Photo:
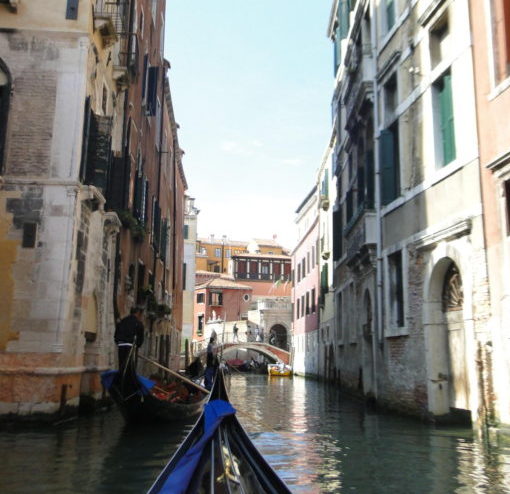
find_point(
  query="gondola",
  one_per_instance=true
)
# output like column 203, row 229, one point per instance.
column 138, row 403
column 217, row 456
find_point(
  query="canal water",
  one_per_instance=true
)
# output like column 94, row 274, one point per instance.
column 318, row 440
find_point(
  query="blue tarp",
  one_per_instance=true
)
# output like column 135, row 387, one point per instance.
column 108, row 377
column 178, row 481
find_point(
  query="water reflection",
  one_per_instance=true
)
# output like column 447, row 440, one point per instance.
column 320, row 441
column 92, row 455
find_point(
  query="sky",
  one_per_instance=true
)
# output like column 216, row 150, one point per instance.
column 251, row 84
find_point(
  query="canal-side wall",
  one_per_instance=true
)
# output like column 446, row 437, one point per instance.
column 56, row 242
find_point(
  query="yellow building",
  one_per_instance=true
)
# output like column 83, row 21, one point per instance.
column 214, row 254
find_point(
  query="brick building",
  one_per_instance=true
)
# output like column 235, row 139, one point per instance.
column 91, row 197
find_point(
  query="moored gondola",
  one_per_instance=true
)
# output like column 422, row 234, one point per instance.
column 139, row 401
column 218, row 456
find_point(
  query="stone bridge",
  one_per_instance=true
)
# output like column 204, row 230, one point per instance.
column 273, row 353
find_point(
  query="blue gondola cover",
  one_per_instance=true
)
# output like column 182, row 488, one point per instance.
column 108, row 377
column 178, row 481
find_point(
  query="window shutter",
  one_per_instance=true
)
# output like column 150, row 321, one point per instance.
column 387, row 150
column 390, row 14
column 144, row 80
column 157, row 227
column 144, row 205
column 343, row 20
column 447, row 121
column 164, row 238
column 152, row 87
column 349, row 201
column 337, row 234
column 324, row 279
column 98, row 152
column 361, row 185
column 115, row 197
column 369, row 179
column 138, row 200
column 85, row 142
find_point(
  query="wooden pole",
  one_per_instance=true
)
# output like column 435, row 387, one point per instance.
column 176, row 374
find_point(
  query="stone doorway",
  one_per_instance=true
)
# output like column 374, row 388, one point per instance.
column 444, row 325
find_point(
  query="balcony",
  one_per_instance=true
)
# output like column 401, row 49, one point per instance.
column 127, row 60
column 111, row 19
column 361, row 241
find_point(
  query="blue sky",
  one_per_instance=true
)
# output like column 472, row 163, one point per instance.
column 251, row 84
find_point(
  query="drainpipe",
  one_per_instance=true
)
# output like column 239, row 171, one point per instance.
column 378, row 335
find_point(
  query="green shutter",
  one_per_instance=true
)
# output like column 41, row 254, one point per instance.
column 387, row 152
column 447, row 121
column 390, row 14
column 343, row 18
column 369, row 179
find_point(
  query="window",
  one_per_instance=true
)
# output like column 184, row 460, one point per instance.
column 215, row 298
column 439, row 40
column 217, row 252
column 200, row 326
column 396, row 289
column 104, row 101
column 29, row 235
column 390, row 14
column 184, row 276
column 302, row 305
column 5, row 90
column 297, row 309
column 228, row 253
column 145, row 75
column 307, row 303
column 200, row 298
column 264, row 269
column 390, row 163
column 444, row 130
column 500, row 12
column 390, row 91
column 185, row 233
column 313, row 301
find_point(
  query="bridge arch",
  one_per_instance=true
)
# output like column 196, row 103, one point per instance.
column 271, row 352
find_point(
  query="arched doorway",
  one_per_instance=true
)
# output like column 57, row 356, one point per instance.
column 448, row 385
column 278, row 337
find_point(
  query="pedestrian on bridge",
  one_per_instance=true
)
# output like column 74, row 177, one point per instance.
column 235, row 329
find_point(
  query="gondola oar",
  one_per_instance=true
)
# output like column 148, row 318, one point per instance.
column 176, row 374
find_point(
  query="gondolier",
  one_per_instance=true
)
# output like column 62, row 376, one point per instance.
column 128, row 337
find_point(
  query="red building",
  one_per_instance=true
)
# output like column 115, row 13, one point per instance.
column 219, row 299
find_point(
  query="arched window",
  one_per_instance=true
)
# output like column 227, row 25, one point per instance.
column 5, row 92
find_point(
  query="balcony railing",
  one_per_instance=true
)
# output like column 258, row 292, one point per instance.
column 115, row 12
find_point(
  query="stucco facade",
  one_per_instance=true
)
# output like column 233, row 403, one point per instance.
column 490, row 31
column 306, row 289
column 56, row 240
column 411, row 285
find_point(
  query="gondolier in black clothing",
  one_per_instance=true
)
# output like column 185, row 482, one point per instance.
column 129, row 337
column 211, row 364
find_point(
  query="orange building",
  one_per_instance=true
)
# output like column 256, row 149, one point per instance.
column 213, row 254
